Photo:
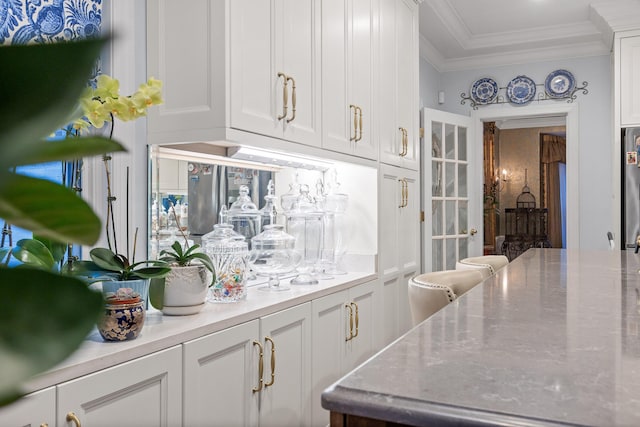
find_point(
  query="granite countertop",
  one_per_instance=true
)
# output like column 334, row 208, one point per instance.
column 162, row 331
column 552, row 339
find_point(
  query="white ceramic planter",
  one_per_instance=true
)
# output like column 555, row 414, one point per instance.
column 185, row 290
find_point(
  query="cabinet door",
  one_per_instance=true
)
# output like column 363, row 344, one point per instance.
column 184, row 46
column 285, row 399
column 363, row 299
column 36, row 409
column 220, row 371
column 299, row 55
column 253, row 71
column 630, row 81
column 143, row 392
column 398, row 83
column 390, row 200
column 347, row 80
column 407, row 79
column 330, row 330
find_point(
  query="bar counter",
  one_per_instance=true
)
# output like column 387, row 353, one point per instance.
column 551, row 339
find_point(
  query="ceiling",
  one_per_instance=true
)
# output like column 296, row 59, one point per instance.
column 468, row 34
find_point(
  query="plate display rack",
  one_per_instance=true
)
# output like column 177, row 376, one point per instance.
column 540, row 95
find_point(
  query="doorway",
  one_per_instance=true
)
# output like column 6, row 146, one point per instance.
column 524, row 189
column 570, row 113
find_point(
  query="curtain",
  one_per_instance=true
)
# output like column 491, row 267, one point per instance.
column 552, row 153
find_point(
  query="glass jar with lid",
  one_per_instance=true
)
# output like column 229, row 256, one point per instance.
column 229, row 253
column 273, row 254
column 244, row 216
column 304, row 222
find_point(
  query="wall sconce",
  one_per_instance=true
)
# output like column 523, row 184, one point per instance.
column 496, row 186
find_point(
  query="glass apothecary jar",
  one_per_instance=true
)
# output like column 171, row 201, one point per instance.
column 229, row 253
column 244, row 216
column 273, row 254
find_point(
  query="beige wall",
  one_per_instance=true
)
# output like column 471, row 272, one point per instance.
column 519, row 149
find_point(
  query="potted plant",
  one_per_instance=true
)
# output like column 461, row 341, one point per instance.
column 123, row 316
column 115, row 271
column 46, row 315
column 184, row 289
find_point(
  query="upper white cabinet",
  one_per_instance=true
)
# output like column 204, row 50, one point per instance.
column 630, row 81
column 347, row 77
column 397, row 84
column 248, row 65
column 143, row 392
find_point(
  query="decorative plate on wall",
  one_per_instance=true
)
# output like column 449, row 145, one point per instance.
column 484, row 91
column 521, row 90
column 559, row 84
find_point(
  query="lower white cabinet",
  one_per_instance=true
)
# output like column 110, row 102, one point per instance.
column 344, row 335
column 256, row 373
column 36, row 409
column 399, row 246
column 143, row 392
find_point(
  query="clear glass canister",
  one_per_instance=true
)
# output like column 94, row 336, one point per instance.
column 244, row 216
column 229, row 253
column 273, row 254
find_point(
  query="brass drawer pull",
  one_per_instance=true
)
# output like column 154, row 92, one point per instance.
column 273, row 361
column 71, row 418
column 260, row 367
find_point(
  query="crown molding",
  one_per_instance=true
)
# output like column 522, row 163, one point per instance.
column 619, row 15
column 514, row 57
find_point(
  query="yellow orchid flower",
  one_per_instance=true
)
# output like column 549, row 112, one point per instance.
column 118, row 107
column 95, row 112
column 106, row 87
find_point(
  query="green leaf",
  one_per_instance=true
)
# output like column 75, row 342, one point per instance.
column 35, row 333
column 34, row 102
column 57, row 249
column 150, row 272
column 71, row 149
column 156, row 292
column 49, row 210
column 35, row 253
column 106, row 259
column 204, row 259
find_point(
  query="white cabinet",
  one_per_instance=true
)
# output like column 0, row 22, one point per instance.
column 36, row 409
column 244, row 64
column 222, row 379
column 172, row 176
column 142, row 392
column 398, row 83
column 344, row 335
column 347, row 79
column 399, row 255
column 630, row 81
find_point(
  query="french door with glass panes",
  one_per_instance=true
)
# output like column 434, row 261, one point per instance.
column 449, row 229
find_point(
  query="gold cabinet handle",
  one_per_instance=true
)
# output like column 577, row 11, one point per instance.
column 71, row 418
column 293, row 99
column 405, row 140
column 355, row 122
column 404, row 192
column 350, row 322
column 359, row 112
column 473, row 232
column 357, row 317
column 285, row 95
column 260, row 367
column 273, row 361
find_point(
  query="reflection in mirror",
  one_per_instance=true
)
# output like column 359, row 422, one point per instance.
column 199, row 185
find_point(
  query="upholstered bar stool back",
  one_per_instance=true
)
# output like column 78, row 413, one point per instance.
column 487, row 265
column 429, row 292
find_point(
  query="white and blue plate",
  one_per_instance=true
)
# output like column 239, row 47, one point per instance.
column 521, row 90
column 559, row 84
column 484, row 91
